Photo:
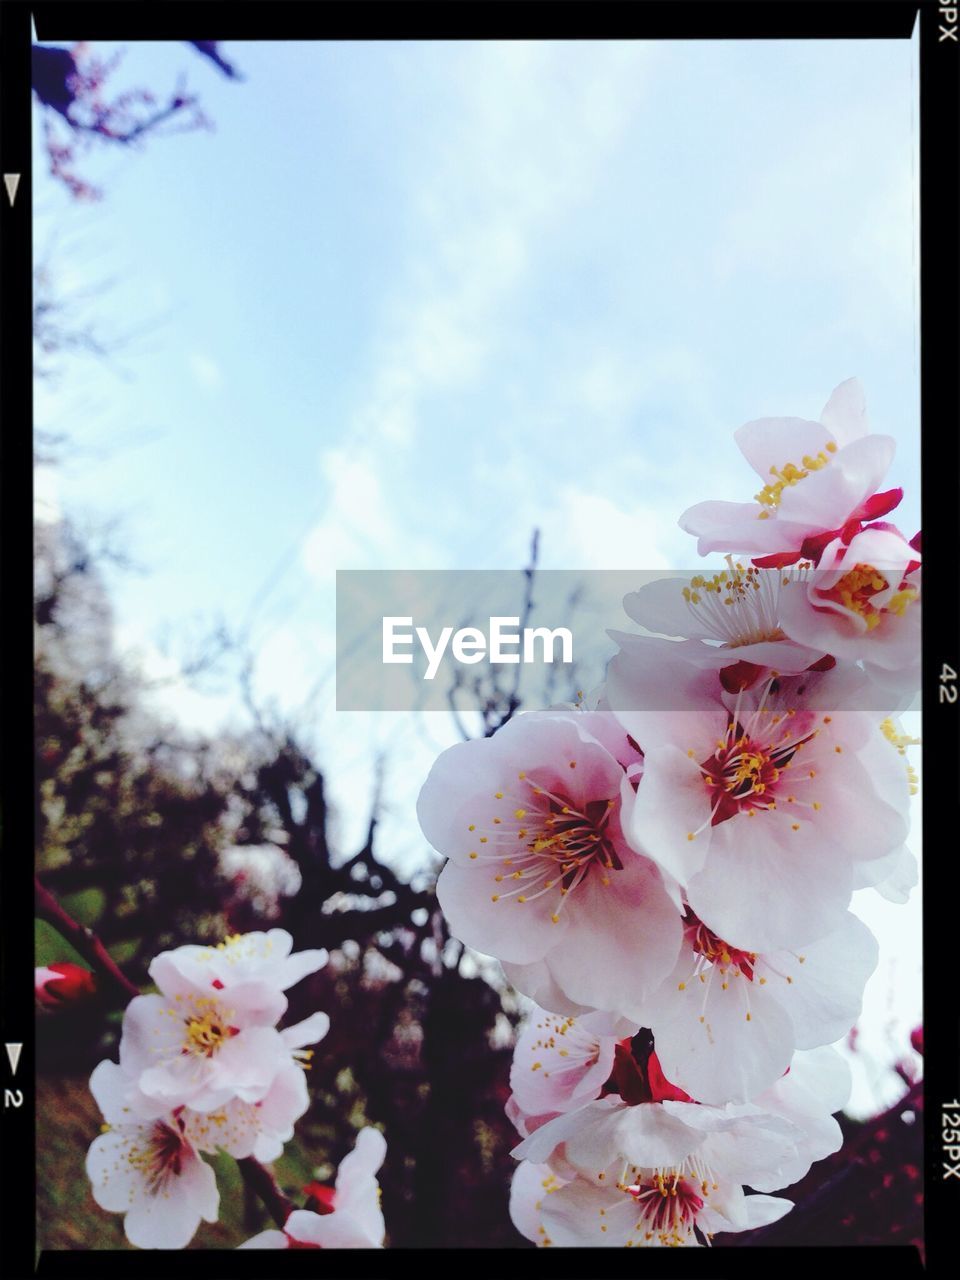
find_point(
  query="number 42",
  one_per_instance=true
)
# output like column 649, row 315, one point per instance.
column 948, row 684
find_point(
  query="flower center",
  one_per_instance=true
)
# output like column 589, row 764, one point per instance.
column 856, row 589
column 787, row 476
column 544, row 841
column 205, row 1029
column 668, row 1205
column 160, row 1158
column 739, row 605
column 745, row 772
column 714, row 950
column 742, row 773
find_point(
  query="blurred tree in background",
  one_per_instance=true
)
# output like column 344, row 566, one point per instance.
column 154, row 839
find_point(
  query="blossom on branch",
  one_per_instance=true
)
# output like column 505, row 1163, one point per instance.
column 727, row 1022
column 863, row 603
column 819, row 478
column 539, row 872
column 149, row 1169
column 761, row 804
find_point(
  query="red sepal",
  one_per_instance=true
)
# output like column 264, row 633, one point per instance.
column 739, row 676
column 779, row 559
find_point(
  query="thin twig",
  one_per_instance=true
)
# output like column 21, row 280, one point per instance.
column 261, row 1181
column 82, row 939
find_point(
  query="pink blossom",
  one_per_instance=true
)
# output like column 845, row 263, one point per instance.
column 655, row 1212
column 539, row 873
column 655, row 1174
column 817, row 478
column 199, row 1052
column 761, row 804
column 558, row 1064
column 148, row 1169
column 862, row 602
column 249, row 970
column 209, row 1036
column 727, row 1022
column 352, row 1218
column 262, row 1128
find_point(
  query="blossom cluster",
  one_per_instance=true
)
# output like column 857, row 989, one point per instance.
column 666, row 869
column 203, row 1069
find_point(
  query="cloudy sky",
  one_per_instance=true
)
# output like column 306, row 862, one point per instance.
column 410, row 301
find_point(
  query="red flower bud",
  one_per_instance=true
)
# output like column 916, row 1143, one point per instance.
column 59, row 984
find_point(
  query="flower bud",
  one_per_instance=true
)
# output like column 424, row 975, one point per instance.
column 59, row 984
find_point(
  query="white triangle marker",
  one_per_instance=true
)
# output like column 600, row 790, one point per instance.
column 13, row 1053
column 11, row 181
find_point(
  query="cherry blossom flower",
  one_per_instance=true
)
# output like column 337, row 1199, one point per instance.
column 209, row 1037
column 731, row 620
column 198, row 1052
column 350, row 1217
column 559, row 1063
column 539, row 873
column 728, row 624
column 818, row 478
column 262, row 1129
column 656, row 1211
column 862, row 602
column 659, row 1173
column 761, row 804
column 61, row 983
column 727, row 1021
column 148, row 1169
column 252, row 970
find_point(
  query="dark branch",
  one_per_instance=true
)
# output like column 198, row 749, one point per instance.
column 262, row 1182
column 83, row 940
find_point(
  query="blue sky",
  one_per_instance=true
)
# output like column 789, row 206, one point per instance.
column 409, row 301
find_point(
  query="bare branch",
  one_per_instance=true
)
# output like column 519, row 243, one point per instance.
column 262, row 1182
column 83, row 940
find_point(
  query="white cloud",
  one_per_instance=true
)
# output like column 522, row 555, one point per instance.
column 206, row 371
column 586, row 530
column 46, row 495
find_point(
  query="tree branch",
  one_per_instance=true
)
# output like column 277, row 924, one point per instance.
column 83, row 940
column 262, row 1182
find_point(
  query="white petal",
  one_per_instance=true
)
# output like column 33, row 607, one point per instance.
column 766, row 886
column 526, row 1189
column 623, row 938
column 310, row 1031
column 113, row 1181
column 266, row 1240
column 773, row 442
column 514, row 932
column 725, row 1057
column 826, row 995
column 845, row 413
column 670, row 819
